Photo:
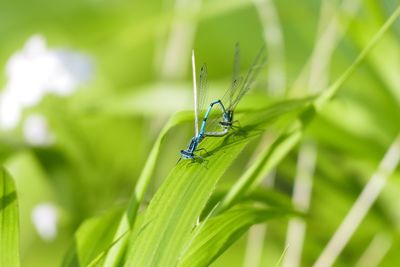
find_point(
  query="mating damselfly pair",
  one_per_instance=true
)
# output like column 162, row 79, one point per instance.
column 219, row 126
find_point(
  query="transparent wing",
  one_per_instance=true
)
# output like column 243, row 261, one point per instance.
column 229, row 94
column 202, row 92
column 249, row 79
column 235, row 74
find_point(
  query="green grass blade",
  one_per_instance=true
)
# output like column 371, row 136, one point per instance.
column 127, row 221
column 98, row 259
column 150, row 165
column 9, row 222
column 331, row 90
column 178, row 203
column 174, row 210
column 220, row 232
column 264, row 164
column 92, row 238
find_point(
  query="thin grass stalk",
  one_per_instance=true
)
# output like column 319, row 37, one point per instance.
column 361, row 206
column 273, row 37
column 179, row 42
column 301, row 200
column 376, row 251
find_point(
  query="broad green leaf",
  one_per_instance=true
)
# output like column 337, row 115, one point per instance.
column 9, row 221
column 174, row 209
column 93, row 238
column 220, row 232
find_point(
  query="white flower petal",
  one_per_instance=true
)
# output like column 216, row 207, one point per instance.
column 36, row 131
column 36, row 71
column 45, row 220
column 10, row 111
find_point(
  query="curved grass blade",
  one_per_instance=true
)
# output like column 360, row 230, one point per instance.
column 269, row 158
column 92, row 238
column 9, row 221
column 174, row 210
column 220, row 232
column 98, row 259
column 148, row 170
column 330, row 92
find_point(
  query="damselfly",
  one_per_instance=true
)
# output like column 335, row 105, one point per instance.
column 199, row 97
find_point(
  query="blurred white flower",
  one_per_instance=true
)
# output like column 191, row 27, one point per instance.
column 45, row 220
column 10, row 110
column 37, row 70
column 36, row 131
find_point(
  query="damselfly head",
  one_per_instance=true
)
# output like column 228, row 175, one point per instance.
column 186, row 154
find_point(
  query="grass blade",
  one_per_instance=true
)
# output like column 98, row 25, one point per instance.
column 265, row 163
column 219, row 233
column 92, row 238
column 9, row 222
column 129, row 217
column 331, row 90
column 151, row 162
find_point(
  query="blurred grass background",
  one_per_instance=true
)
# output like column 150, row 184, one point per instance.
column 140, row 52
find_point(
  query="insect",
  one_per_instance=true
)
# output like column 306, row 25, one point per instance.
column 199, row 96
column 232, row 96
column 237, row 90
